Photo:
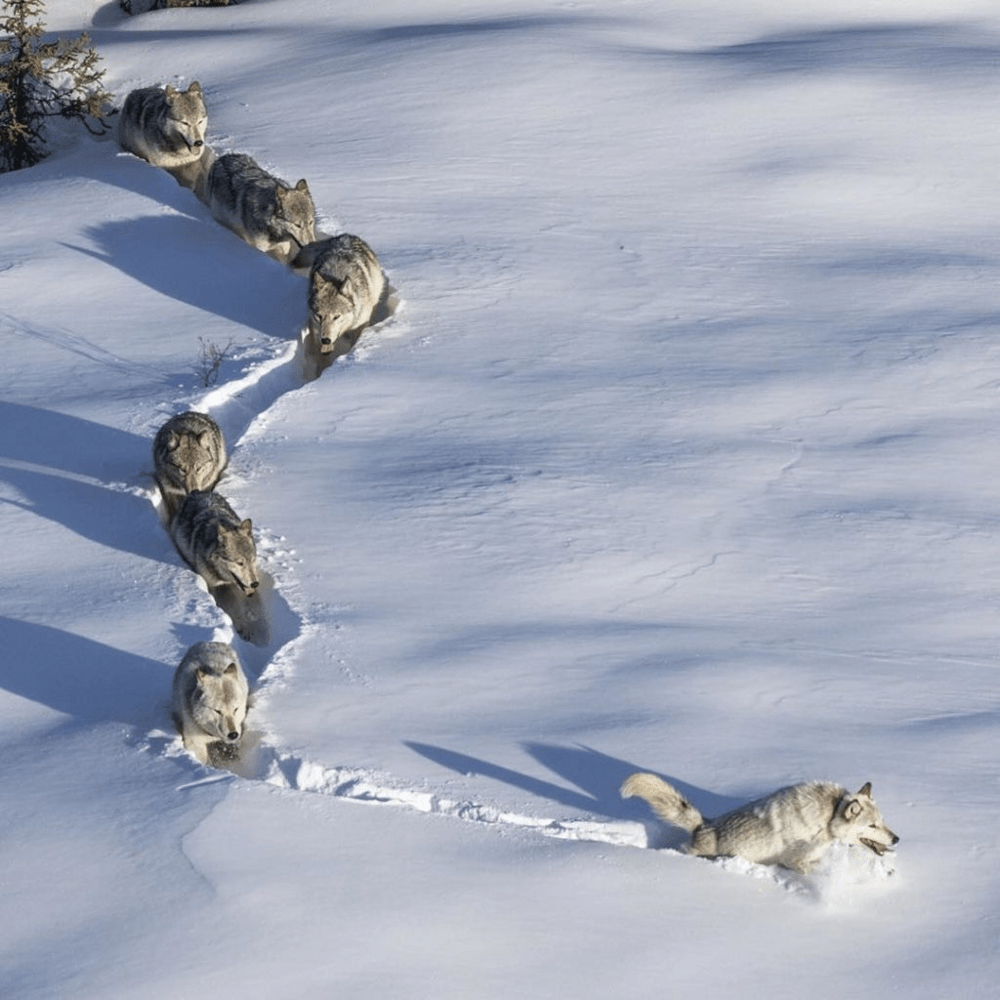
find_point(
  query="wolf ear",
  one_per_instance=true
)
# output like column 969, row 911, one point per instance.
column 231, row 670
column 247, row 526
column 195, row 88
column 866, row 789
column 169, row 91
column 302, row 186
column 853, row 809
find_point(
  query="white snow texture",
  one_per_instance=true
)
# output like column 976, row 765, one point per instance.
column 679, row 455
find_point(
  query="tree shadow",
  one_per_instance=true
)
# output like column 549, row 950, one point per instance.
column 109, row 517
column 597, row 777
column 73, row 444
column 56, row 466
column 168, row 254
column 86, row 680
column 940, row 51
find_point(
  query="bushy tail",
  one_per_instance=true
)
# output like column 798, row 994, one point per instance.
column 664, row 800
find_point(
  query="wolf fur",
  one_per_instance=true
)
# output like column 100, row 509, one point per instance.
column 345, row 285
column 261, row 208
column 215, row 543
column 163, row 125
column 210, row 700
column 142, row 6
column 189, row 453
column 792, row 827
column 194, row 175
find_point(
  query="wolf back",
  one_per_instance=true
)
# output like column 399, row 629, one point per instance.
column 189, row 453
column 345, row 285
column 215, row 543
column 163, row 125
column 792, row 827
column 210, row 699
column 261, row 208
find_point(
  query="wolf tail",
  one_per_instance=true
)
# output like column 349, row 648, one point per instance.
column 664, row 800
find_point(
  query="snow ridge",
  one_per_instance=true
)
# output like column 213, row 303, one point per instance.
column 290, row 771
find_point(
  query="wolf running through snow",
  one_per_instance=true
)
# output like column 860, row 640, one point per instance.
column 215, row 543
column 792, row 827
column 210, row 701
column 259, row 207
column 163, row 125
column 189, row 453
column 345, row 286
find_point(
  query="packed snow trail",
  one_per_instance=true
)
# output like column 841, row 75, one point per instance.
column 237, row 406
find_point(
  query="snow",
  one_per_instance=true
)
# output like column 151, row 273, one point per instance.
column 678, row 455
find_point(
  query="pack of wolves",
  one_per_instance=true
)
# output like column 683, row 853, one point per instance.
column 792, row 827
column 166, row 127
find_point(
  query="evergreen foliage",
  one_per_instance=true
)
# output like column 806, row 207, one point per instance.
column 43, row 79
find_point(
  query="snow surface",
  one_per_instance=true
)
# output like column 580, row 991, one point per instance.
column 679, row 455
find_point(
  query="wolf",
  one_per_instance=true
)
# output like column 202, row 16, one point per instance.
column 215, row 543
column 142, row 6
column 345, row 285
column 261, row 208
column 792, row 827
column 211, row 698
column 163, row 125
column 189, row 453
column 194, row 175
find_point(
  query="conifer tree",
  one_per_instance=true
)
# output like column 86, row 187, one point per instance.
column 41, row 80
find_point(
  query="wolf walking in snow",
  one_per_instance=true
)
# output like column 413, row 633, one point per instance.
column 210, row 700
column 792, row 827
column 163, row 125
column 215, row 543
column 259, row 207
column 345, row 286
column 194, row 175
column 142, row 6
column 189, row 453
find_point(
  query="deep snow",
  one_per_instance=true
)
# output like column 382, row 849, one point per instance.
column 678, row 456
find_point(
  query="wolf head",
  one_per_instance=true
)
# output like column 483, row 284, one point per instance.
column 295, row 215
column 219, row 703
column 192, row 460
column 858, row 821
column 187, row 116
column 331, row 310
column 236, row 555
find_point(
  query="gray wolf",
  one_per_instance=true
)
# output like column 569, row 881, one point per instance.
column 189, row 453
column 259, row 207
column 792, row 827
column 194, row 175
column 215, row 543
column 163, row 125
column 142, row 6
column 345, row 285
column 210, row 700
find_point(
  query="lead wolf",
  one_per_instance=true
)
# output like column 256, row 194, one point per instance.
column 210, row 701
column 163, row 125
column 345, row 286
column 215, row 543
column 259, row 207
column 792, row 827
column 142, row 6
column 189, row 453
